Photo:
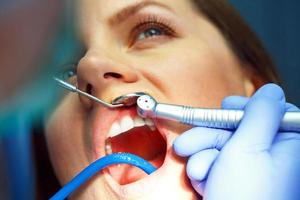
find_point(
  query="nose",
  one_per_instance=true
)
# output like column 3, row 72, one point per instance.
column 99, row 75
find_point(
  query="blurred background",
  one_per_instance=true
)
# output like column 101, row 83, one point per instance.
column 36, row 36
column 277, row 24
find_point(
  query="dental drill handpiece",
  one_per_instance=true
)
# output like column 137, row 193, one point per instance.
column 213, row 118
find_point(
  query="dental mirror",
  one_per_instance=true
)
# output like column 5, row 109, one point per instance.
column 123, row 100
column 128, row 99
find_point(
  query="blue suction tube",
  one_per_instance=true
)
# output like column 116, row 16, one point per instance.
column 112, row 159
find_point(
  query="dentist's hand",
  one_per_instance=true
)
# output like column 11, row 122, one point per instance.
column 254, row 162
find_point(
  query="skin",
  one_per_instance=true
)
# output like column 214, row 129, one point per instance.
column 196, row 63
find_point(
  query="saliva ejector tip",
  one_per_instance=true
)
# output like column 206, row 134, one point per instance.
column 146, row 106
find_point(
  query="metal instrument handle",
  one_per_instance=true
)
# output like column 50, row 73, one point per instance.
column 217, row 118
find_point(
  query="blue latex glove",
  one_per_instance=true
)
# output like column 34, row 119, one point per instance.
column 254, row 162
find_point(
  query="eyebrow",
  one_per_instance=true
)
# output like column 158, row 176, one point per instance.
column 128, row 11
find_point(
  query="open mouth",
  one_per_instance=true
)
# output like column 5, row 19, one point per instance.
column 136, row 136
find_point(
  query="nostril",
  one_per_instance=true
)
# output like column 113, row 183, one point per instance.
column 112, row 75
column 89, row 89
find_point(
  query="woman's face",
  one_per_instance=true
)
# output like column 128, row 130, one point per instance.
column 164, row 48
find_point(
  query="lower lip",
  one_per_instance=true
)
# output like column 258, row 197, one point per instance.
column 141, row 187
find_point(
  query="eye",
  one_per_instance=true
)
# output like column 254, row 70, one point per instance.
column 68, row 73
column 151, row 32
column 150, row 28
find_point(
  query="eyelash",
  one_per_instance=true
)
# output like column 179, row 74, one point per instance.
column 151, row 21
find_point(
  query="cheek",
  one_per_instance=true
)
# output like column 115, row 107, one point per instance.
column 199, row 76
column 65, row 140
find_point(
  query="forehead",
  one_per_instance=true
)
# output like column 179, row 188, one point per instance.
column 105, row 9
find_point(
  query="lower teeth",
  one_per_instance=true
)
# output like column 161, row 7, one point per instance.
column 108, row 148
column 152, row 128
column 108, row 145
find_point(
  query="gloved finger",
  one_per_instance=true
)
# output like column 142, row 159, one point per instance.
column 239, row 102
column 291, row 107
column 199, row 164
column 291, row 139
column 200, row 138
column 235, row 102
column 199, row 186
column 262, row 117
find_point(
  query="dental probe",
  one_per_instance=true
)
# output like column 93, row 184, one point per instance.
column 123, row 100
column 213, row 118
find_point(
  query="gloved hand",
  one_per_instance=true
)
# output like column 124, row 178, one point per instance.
column 254, row 161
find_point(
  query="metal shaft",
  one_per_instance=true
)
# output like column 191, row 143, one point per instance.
column 214, row 118
column 121, row 101
column 217, row 118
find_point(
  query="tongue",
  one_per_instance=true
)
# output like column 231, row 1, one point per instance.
column 142, row 142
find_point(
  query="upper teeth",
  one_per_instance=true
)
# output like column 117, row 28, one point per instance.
column 127, row 123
